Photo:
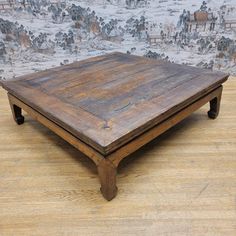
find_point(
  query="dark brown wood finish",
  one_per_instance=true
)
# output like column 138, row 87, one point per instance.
column 214, row 107
column 108, row 100
column 109, row 106
column 107, row 166
column 107, row 175
column 17, row 114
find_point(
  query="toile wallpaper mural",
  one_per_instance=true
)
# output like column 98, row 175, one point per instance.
column 40, row 34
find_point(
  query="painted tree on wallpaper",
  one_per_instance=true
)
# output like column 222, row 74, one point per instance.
column 35, row 35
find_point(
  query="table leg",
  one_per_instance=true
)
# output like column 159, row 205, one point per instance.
column 215, row 105
column 107, row 175
column 16, row 113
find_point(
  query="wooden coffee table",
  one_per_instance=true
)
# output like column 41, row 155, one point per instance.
column 109, row 106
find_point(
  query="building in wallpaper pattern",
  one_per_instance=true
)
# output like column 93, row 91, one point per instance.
column 201, row 21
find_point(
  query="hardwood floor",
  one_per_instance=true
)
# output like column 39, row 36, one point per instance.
column 182, row 183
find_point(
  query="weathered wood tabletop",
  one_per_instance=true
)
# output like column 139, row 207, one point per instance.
column 108, row 100
column 109, row 106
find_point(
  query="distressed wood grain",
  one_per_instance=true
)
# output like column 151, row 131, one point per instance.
column 110, row 106
column 108, row 100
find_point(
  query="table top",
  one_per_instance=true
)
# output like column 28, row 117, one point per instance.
column 108, row 100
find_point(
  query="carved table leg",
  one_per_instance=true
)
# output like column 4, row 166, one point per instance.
column 215, row 106
column 17, row 113
column 107, row 175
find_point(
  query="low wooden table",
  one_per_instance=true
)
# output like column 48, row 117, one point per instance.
column 109, row 106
